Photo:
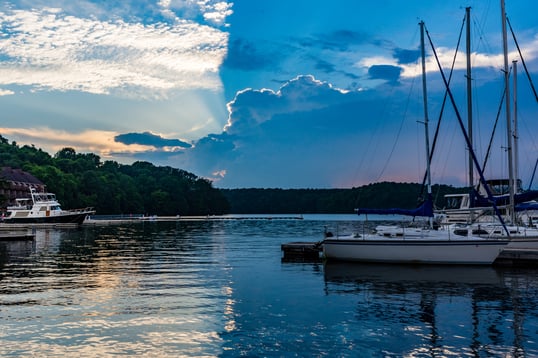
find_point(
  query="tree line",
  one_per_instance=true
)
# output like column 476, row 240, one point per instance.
column 335, row 201
column 83, row 180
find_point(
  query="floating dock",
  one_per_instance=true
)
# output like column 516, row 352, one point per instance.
column 312, row 252
column 517, row 257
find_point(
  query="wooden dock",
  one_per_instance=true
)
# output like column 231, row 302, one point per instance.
column 301, row 252
column 13, row 236
column 312, row 252
column 517, row 257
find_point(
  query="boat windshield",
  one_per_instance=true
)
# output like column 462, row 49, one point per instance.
column 453, row 202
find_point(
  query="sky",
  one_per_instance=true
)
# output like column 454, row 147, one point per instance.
column 268, row 93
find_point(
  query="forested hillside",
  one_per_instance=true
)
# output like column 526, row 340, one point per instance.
column 305, row 201
column 81, row 180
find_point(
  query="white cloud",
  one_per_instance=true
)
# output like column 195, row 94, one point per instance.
column 250, row 108
column 47, row 49
column 98, row 142
column 4, row 92
column 306, row 134
column 214, row 12
column 446, row 57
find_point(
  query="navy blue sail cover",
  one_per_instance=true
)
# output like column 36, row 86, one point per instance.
column 425, row 209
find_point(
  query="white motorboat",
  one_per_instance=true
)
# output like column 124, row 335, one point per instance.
column 43, row 208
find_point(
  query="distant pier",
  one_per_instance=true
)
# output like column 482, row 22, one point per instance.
column 96, row 220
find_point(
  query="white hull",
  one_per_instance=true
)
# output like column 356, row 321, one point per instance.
column 43, row 208
column 433, row 250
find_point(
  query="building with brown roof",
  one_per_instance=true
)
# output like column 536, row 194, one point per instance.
column 16, row 183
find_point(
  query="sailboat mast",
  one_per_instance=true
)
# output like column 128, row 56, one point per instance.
column 516, row 134
column 469, row 94
column 508, row 120
column 426, row 120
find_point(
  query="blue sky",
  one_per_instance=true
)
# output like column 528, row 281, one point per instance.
column 290, row 94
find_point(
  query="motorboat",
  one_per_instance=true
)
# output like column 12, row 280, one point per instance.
column 43, row 208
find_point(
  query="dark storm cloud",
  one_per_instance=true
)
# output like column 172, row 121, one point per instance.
column 147, row 138
column 385, row 72
column 405, row 57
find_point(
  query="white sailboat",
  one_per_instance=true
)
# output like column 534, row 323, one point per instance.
column 418, row 245
column 507, row 193
column 518, row 206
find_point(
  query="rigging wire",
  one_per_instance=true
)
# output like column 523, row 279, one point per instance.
column 488, row 151
column 436, row 135
column 372, row 138
column 522, row 60
column 464, row 132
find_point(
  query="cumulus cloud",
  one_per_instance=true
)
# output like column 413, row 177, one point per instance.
column 250, row 108
column 49, row 49
column 306, row 134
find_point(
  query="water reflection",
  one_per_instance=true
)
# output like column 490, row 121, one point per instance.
column 220, row 289
column 15, row 250
column 450, row 310
column 136, row 290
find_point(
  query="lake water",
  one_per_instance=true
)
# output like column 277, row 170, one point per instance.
column 220, row 289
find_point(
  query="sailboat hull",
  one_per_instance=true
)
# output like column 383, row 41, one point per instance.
column 461, row 252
